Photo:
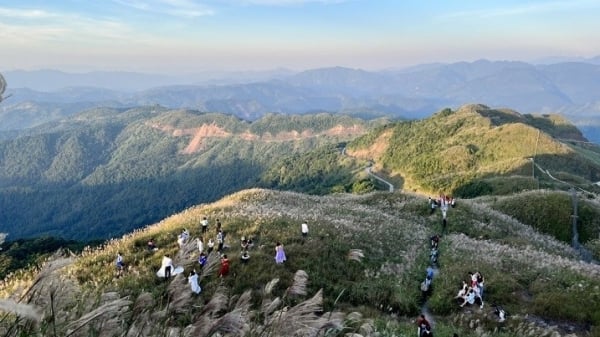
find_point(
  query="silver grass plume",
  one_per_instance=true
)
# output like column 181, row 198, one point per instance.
column 269, row 306
column 217, row 303
column 244, row 301
column 302, row 320
column 356, row 255
column 298, row 287
column 234, row 323
column 269, row 287
column 110, row 307
column 23, row 310
column 213, row 262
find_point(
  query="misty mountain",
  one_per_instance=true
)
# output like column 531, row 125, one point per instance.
column 569, row 88
column 54, row 80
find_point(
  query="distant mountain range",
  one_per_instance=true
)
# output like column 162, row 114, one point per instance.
column 571, row 89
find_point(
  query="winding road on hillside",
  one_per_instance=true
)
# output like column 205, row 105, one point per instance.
column 370, row 172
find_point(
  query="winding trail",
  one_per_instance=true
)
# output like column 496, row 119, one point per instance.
column 369, row 172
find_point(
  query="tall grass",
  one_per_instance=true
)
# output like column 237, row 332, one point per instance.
column 357, row 272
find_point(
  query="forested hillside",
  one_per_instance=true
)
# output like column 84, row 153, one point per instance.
column 477, row 150
column 105, row 172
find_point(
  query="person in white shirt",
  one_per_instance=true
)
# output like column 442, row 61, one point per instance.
column 210, row 245
column 200, row 244
column 304, row 229
column 183, row 237
column 120, row 264
column 193, row 281
column 204, row 224
column 167, row 266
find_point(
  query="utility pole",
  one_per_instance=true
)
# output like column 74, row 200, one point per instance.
column 575, row 241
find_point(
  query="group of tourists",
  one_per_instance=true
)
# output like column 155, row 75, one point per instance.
column 471, row 291
column 168, row 269
column 443, row 202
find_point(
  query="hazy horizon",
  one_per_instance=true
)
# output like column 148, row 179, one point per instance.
column 182, row 36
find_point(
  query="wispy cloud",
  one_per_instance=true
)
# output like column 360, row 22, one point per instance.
column 284, row 2
column 524, row 9
column 29, row 26
column 24, row 13
column 178, row 8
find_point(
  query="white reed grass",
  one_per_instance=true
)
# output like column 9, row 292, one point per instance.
column 28, row 311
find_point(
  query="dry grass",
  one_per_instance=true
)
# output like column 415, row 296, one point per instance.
column 378, row 242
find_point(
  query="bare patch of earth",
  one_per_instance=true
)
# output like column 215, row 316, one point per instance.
column 205, row 131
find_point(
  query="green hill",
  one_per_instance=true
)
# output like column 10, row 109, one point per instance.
column 357, row 273
column 105, row 172
column 477, row 150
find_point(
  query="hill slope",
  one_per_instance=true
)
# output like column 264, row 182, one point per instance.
column 363, row 261
column 105, row 172
column 456, row 151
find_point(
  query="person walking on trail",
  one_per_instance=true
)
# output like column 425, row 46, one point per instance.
column 167, row 266
column 120, row 264
column 423, row 326
column 193, row 281
column 279, row 253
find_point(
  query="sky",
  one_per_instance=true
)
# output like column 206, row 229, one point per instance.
column 181, row 36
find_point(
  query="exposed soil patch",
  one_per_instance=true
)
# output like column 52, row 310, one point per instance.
column 374, row 151
column 205, row 131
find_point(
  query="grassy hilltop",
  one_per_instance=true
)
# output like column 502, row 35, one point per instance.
column 358, row 272
column 478, row 150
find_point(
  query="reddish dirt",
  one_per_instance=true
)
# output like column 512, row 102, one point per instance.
column 205, row 131
column 374, row 151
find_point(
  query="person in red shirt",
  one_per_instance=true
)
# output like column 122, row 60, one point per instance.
column 224, row 270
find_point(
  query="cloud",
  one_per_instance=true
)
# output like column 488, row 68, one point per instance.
column 524, row 9
column 177, row 8
column 27, row 27
column 13, row 13
column 284, row 2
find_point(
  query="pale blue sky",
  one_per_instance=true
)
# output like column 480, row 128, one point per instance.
column 195, row 35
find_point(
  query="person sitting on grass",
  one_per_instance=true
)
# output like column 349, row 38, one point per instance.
column 472, row 297
column 499, row 311
column 464, row 290
column 245, row 257
column 151, row 245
